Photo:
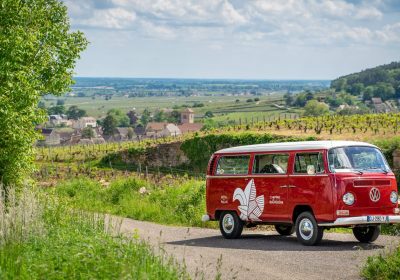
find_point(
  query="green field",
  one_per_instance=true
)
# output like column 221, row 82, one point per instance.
column 221, row 105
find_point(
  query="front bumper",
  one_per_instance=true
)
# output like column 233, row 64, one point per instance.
column 361, row 220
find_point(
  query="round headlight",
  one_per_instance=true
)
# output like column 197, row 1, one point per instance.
column 393, row 197
column 348, row 198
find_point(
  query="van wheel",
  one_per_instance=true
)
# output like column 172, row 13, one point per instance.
column 367, row 234
column 307, row 230
column 284, row 229
column 231, row 225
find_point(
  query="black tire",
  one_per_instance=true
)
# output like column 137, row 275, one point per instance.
column 285, row 229
column 230, row 225
column 307, row 230
column 367, row 234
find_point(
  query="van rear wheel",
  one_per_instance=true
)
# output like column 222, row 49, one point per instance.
column 231, row 225
column 307, row 230
column 284, row 229
column 367, row 234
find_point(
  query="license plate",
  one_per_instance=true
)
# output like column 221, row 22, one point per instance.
column 378, row 219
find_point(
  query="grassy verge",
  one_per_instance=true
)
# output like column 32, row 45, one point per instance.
column 54, row 242
column 383, row 267
column 171, row 201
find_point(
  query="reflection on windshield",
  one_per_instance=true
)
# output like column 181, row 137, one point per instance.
column 357, row 158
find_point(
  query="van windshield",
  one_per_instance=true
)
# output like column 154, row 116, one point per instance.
column 357, row 158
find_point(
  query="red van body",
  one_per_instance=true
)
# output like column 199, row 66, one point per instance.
column 298, row 179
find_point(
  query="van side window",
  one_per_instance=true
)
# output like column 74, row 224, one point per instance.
column 270, row 164
column 304, row 159
column 233, row 165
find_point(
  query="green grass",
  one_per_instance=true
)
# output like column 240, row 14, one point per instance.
column 75, row 245
column 216, row 103
column 176, row 202
column 383, row 267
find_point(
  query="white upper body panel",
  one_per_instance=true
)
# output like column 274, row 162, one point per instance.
column 293, row 146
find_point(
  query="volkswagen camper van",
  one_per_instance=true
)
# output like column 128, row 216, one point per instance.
column 302, row 187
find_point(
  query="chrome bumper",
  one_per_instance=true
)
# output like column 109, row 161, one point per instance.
column 361, row 220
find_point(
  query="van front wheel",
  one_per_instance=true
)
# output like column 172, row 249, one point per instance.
column 307, row 230
column 231, row 225
column 367, row 234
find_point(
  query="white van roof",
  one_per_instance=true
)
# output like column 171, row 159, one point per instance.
column 293, row 146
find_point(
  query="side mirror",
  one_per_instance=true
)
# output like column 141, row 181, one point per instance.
column 310, row 169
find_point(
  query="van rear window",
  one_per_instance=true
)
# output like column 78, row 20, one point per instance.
column 270, row 164
column 233, row 165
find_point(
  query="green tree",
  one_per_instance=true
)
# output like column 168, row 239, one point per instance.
column 145, row 118
column 315, row 108
column 384, row 90
column 56, row 110
column 288, row 97
column 109, row 125
column 131, row 133
column 60, row 102
column 209, row 114
column 75, row 113
column 121, row 118
column 159, row 116
column 174, row 117
column 37, row 56
column 87, row 132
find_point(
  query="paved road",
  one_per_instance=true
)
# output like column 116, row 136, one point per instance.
column 260, row 254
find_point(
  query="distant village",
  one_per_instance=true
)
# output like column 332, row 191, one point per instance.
column 59, row 130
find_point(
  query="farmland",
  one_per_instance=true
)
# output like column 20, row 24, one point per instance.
column 218, row 104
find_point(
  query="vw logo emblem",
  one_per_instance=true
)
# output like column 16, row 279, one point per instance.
column 374, row 194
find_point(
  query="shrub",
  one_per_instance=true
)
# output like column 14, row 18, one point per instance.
column 383, row 267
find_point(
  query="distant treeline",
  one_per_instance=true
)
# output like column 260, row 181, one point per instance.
column 381, row 81
column 158, row 87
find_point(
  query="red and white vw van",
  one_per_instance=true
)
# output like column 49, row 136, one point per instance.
column 304, row 187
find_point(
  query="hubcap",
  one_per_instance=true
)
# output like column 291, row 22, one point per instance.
column 306, row 229
column 228, row 223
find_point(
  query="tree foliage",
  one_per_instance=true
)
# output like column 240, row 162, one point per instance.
column 75, row 113
column 381, row 81
column 37, row 56
column 315, row 108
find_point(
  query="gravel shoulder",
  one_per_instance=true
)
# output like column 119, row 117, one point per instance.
column 260, row 254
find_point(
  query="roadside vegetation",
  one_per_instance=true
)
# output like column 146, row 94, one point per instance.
column 170, row 201
column 383, row 267
column 44, row 239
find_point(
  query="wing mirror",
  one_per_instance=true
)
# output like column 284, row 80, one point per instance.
column 310, row 169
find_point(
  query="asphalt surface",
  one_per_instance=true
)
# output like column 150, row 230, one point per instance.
column 260, row 254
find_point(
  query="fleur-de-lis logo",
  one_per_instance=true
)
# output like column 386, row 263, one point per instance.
column 251, row 206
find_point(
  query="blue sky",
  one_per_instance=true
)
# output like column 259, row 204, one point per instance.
column 254, row 39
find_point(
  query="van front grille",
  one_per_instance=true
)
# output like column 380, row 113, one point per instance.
column 367, row 183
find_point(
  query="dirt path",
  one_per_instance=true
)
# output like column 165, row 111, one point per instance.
column 260, row 255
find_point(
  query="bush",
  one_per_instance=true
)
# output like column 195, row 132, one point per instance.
column 383, row 267
column 180, row 204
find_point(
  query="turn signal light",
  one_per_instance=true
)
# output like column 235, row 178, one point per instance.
column 342, row 212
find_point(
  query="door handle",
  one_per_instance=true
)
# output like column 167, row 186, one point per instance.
column 288, row 186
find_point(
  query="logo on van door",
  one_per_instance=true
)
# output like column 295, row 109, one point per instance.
column 251, row 206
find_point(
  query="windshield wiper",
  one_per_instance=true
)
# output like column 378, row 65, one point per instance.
column 377, row 168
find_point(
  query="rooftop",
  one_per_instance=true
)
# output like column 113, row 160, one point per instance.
column 293, row 146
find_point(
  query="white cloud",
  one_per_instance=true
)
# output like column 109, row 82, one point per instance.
column 292, row 21
column 115, row 18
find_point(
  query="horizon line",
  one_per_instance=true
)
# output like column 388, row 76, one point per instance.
column 187, row 78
